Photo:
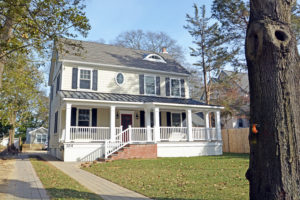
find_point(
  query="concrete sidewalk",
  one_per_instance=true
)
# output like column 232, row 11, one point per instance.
column 106, row 189
column 23, row 182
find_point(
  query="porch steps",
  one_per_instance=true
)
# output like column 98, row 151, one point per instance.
column 132, row 151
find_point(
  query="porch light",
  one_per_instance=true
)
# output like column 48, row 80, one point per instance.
column 136, row 116
column 117, row 115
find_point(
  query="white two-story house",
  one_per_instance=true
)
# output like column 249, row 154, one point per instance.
column 110, row 97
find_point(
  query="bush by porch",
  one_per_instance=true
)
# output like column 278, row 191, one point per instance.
column 209, row 177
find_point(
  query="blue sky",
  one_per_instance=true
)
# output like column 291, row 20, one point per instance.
column 109, row 18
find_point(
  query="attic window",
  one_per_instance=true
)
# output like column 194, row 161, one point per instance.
column 154, row 58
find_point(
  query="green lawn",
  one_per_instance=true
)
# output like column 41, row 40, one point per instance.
column 58, row 184
column 206, row 177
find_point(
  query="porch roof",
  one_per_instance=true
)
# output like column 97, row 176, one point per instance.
column 129, row 98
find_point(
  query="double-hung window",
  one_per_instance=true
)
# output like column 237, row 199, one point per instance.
column 175, row 87
column 176, row 119
column 84, row 117
column 150, row 85
column 39, row 138
column 85, row 79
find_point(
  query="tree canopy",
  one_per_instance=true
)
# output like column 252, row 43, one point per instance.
column 150, row 41
column 30, row 25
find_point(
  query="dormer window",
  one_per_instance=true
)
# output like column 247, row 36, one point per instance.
column 154, row 58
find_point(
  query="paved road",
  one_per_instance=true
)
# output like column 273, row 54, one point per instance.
column 23, row 182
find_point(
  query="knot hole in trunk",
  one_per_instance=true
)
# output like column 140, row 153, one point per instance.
column 280, row 35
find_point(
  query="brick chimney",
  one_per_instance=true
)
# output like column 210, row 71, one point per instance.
column 164, row 50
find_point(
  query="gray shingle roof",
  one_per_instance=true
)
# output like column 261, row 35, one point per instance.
column 126, row 98
column 113, row 55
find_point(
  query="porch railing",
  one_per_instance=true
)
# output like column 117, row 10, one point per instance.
column 141, row 134
column 91, row 133
column 201, row 133
column 121, row 140
column 88, row 134
column 173, row 133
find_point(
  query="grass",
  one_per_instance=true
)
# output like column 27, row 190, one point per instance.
column 58, row 184
column 207, row 177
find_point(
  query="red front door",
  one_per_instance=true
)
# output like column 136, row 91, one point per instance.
column 126, row 120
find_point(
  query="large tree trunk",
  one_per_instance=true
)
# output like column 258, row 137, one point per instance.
column 274, row 75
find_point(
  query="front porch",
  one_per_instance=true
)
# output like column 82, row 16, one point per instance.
column 88, row 129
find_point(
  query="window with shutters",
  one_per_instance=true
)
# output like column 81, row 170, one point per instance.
column 150, row 85
column 85, row 79
column 175, row 87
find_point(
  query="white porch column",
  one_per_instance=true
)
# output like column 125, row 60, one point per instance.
column 218, row 124
column 148, row 124
column 189, row 124
column 112, row 123
column 156, row 125
column 206, row 119
column 68, row 121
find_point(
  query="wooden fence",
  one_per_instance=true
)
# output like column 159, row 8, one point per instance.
column 236, row 140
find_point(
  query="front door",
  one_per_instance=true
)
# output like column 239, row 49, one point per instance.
column 126, row 120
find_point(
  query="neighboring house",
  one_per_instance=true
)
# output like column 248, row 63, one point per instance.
column 110, row 97
column 241, row 118
column 37, row 136
column 5, row 141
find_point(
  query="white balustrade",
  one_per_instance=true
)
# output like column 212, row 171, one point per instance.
column 173, row 133
column 199, row 133
column 89, row 133
column 121, row 140
column 141, row 134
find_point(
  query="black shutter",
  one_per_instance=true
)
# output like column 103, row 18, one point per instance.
column 151, row 119
column 183, row 115
column 168, row 119
column 55, row 122
column 58, row 83
column 159, row 118
column 73, row 117
column 142, row 118
column 142, row 91
column 157, row 85
column 74, row 78
column 167, row 86
column 51, row 92
column 94, row 117
column 95, row 79
column 182, row 88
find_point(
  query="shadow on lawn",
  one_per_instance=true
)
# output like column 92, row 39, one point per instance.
column 234, row 155
column 21, row 189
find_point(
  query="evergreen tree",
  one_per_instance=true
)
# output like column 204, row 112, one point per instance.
column 209, row 46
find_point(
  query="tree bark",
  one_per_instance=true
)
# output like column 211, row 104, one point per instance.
column 274, row 76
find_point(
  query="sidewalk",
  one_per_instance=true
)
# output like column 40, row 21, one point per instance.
column 23, row 182
column 106, row 189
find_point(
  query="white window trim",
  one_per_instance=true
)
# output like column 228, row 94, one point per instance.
column 117, row 80
column 171, row 87
column 180, row 114
column 127, row 113
column 145, row 89
column 78, row 79
column 77, row 115
column 148, row 58
column 41, row 138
